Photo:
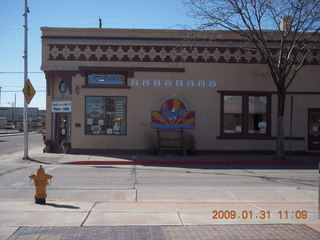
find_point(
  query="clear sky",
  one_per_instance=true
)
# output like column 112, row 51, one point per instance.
column 153, row 14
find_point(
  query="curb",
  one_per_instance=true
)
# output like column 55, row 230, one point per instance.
column 129, row 162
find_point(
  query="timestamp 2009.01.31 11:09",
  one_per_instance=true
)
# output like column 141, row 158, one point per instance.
column 263, row 214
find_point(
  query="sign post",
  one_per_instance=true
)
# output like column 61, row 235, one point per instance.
column 25, row 109
column 28, row 92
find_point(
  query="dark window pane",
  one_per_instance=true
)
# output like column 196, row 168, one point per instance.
column 314, row 124
column 95, row 115
column 116, row 119
column 232, row 114
column 257, row 116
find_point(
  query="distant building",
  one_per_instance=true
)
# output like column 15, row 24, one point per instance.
column 110, row 89
column 15, row 114
column 3, row 121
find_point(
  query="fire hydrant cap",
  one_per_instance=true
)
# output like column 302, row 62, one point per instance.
column 40, row 175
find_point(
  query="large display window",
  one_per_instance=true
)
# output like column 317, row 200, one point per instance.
column 106, row 115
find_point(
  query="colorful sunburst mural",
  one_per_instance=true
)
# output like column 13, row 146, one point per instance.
column 173, row 115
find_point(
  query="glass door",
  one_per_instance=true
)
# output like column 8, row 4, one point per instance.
column 314, row 130
column 62, row 130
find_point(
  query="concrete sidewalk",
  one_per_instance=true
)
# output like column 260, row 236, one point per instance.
column 23, row 220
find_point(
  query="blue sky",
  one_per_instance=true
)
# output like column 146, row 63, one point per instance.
column 154, row 14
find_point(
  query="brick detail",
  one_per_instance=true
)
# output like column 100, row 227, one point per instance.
column 196, row 54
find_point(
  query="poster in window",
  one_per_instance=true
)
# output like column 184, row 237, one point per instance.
column 106, row 115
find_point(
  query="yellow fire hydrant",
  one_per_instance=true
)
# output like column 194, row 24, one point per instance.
column 40, row 182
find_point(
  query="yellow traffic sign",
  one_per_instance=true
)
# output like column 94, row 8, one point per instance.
column 28, row 91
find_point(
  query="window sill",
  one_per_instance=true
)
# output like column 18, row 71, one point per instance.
column 105, row 86
column 254, row 137
column 104, row 134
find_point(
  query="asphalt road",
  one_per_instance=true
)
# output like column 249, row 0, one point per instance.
column 155, row 184
column 125, row 195
column 14, row 143
column 148, row 183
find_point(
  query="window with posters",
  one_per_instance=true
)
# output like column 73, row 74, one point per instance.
column 106, row 115
column 245, row 114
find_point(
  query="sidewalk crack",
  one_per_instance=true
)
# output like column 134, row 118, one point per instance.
column 134, row 170
column 177, row 210
column 181, row 219
column 85, row 219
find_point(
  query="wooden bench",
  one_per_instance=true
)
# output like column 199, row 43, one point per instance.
column 171, row 139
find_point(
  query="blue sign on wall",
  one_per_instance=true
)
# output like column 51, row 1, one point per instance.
column 106, row 79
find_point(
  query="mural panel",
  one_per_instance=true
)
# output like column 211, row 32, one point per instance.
column 173, row 115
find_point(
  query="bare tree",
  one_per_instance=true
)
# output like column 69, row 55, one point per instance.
column 293, row 25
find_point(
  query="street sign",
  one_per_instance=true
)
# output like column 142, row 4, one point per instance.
column 28, row 91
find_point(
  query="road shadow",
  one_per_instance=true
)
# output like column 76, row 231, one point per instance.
column 203, row 161
column 62, row 206
column 36, row 161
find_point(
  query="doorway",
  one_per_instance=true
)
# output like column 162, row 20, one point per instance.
column 314, row 129
column 62, row 130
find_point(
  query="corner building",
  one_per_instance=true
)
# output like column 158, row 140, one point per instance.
column 110, row 89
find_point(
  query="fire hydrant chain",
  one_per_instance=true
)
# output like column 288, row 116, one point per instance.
column 40, row 182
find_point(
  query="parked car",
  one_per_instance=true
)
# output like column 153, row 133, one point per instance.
column 9, row 125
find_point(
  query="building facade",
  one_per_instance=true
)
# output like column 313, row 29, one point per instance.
column 110, row 89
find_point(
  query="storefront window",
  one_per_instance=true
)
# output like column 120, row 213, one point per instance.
column 246, row 114
column 232, row 114
column 106, row 115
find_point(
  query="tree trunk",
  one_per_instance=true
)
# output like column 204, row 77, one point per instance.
column 280, row 125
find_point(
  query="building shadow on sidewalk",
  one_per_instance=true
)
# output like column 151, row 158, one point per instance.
column 203, row 161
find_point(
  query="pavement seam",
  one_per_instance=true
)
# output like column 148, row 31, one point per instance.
column 176, row 209
column 85, row 219
column 182, row 223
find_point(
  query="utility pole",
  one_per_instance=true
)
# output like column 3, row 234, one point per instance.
column 100, row 22
column 0, row 96
column 14, row 106
column 25, row 109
